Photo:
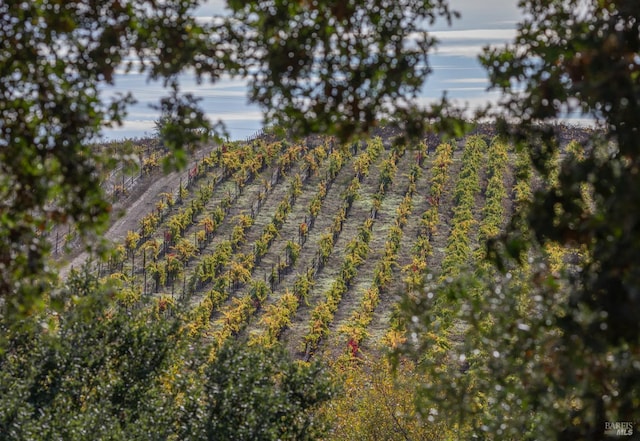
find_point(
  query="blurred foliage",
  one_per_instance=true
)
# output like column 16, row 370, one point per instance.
column 259, row 394
column 55, row 58
column 374, row 405
column 99, row 371
column 548, row 347
column 338, row 67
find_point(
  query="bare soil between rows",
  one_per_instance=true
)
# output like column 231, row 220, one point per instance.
column 127, row 211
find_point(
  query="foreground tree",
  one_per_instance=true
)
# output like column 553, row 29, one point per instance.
column 100, row 371
column 557, row 353
column 374, row 405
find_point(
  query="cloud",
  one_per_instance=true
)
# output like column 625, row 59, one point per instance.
column 481, row 35
column 480, row 80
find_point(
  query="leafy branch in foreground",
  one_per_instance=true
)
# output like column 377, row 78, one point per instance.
column 303, row 82
column 557, row 350
column 125, row 373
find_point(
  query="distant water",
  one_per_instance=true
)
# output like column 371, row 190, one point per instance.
column 455, row 70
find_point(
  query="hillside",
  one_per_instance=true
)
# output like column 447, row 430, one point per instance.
column 308, row 243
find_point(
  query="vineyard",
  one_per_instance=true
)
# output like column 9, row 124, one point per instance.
column 397, row 254
column 311, row 243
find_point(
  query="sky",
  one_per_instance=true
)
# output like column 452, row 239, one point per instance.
column 455, row 70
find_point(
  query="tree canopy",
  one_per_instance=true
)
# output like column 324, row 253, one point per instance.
column 101, row 371
column 555, row 350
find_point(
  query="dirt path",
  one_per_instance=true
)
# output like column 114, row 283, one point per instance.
column 127, row 213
